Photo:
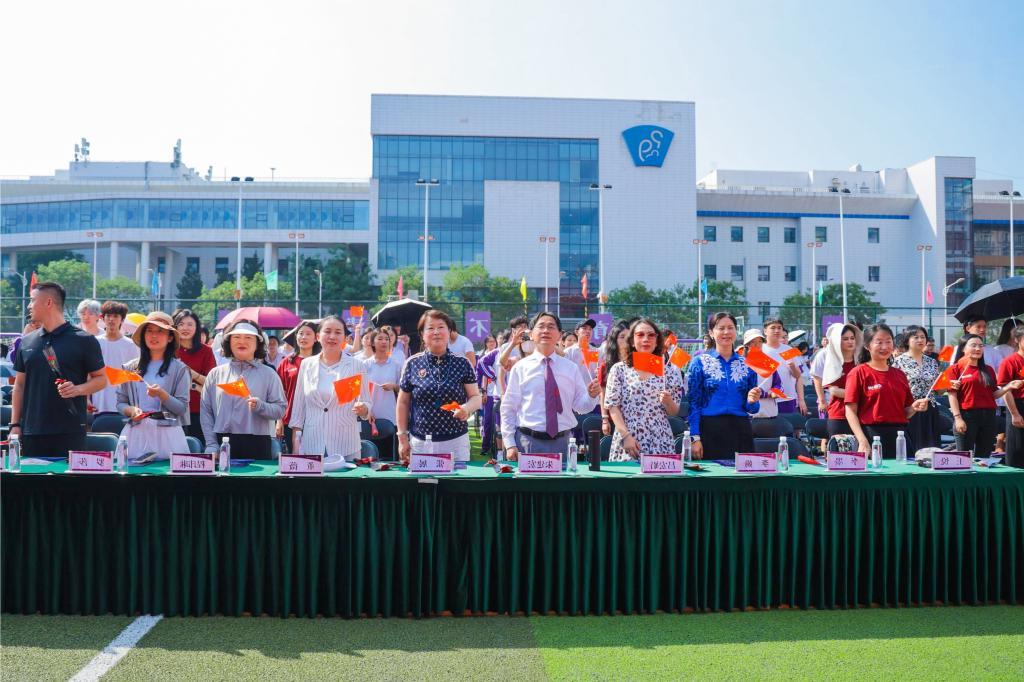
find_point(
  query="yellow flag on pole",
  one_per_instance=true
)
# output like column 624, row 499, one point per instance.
column 522, row 288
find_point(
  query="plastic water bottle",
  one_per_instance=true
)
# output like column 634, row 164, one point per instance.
column 121, row 456
column 782, row 459
column 499, row 455
column 876, row 453
column 572, row 456
column 14, row 454
column 225, row 456
column 687, row 448
column 901, row 448
column 429, row 445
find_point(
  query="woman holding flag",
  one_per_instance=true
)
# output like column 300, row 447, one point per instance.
column 330, row 397
column 922, row 371
column 243, row 397
column 161, row 392
column 641, row 395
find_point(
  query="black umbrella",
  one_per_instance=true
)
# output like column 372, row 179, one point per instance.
column 994, row 301
column 404, row 313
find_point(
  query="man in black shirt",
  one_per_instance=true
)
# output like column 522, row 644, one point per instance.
column 56, row 367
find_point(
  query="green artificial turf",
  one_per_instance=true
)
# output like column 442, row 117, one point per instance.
column 182, row 649
column 53, row 647
column 920, row 643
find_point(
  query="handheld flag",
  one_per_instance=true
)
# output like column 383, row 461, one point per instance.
column 779, row 394
column 238, row 388
column 401, row 286
column 760, row 363
column 583, row 283
column 679, row 358
column 791, row 353
column 32, row 282
column 928, row 294
column 272, row 280
column 116, row 376
column 821, row 291
column 451, row 407
column 356, row 311
column 671, row 340
column 522, row 288
column 946, row 354
column 742, row 350
column 589, row 357
column 647, row 362
column 942, row 383
column 347, row 389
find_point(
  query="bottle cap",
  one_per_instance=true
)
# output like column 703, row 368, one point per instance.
column 899, row 433
column 224, row 439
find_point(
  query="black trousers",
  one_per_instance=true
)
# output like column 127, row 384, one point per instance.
column 1014, row 438
column 838, row 426
column 195, row 427
column 888, row 433
column 980, row 437
column 51, row 444
column 723, row 436
column 247, row 446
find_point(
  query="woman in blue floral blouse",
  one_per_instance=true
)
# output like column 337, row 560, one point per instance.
column 723, row 395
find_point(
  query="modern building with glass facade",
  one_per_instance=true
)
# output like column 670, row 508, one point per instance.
column 524, row 183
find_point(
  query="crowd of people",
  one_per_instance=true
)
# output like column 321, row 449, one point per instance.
column 310, row 390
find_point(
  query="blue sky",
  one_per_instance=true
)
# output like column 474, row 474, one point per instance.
column 250, row 85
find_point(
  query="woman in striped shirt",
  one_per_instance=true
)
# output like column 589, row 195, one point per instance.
column 320, row 424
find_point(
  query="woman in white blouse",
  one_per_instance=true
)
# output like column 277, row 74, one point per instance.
column 319, row 423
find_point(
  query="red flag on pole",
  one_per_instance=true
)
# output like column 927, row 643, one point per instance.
column 583, row 283
column 928, row 294
column 32, row 282
column 401, row 286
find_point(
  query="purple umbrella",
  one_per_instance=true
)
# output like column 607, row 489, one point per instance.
column 267, row 317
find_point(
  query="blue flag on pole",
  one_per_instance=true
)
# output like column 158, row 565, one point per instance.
column 272, row 280
column 821, row 291
column 704, row 287
column 155, row 286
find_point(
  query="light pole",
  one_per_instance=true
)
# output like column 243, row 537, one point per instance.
column 945, row 305
column 296, row 236
column 923, row 248
column 95, row 236
column 1011, row 195
column 238, row 253
column 842, row 240
column 426, row 185
column 814, row 246
column 602, row 295
column 547, row 242
column 319, row 294
column 700, row 244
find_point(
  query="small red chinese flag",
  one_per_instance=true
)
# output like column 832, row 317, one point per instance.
column 946, row 354
column 589, row 357
column 791, row 353
column 347, row 389
column 116, row 376
column 742, row 350
column 779, row 394
column 401, row 286
column 943, row 382
column 679, row 357
column 356, row 311
column 236, row 388
column 760, row 363
column 451, row 407
column 648, row 362
column 671, row 340
column 32, row 282
column 583, row 285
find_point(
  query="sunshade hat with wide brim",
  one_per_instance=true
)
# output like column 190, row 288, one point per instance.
column 157, row 319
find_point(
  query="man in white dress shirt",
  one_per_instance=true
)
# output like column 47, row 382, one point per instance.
column 544, row 392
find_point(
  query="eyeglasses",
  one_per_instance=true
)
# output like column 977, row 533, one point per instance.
column 645, row 335
column 546, row 327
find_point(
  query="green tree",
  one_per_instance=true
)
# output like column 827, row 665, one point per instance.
column 677, row 305
column 863, row 309
column 74, row 275
column 120, row 289
column 412, row 280
column 347, row 278
column 11, row 317
column 222, row 296
column 474, row 283
column 190, row 286
column 251, row 265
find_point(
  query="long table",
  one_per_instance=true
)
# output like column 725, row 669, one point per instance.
column 371, row 543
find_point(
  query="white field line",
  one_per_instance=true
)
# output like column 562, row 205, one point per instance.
column 117, row 649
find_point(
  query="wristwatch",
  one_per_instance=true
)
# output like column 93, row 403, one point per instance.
column 401, row 433
column 695, row 439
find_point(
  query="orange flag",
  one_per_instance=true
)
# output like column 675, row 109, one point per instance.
column 671, row 340
column 451, row 407
column 791, row 353
column 760, row 363
column 589, row 357
column 116, row 376
column 943, row 382
column 356, row 311
column 946, row 354
column 779, row 394
column 648, row 362
column 347, row 389
column 236, row 388
column 679, row 357
column 742, row 350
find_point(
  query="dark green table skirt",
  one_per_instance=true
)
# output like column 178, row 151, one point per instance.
column 387, row 544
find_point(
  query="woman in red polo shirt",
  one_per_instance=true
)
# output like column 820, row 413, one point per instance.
column 972, row 397
column 878, row 398
column 1011, row 369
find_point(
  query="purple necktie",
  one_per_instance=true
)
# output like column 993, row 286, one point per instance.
column 552, row 400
